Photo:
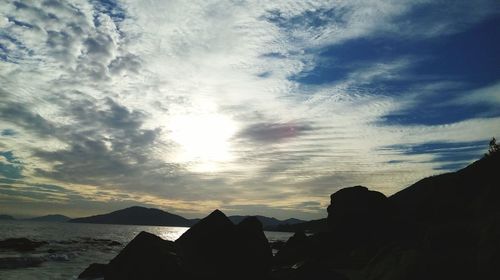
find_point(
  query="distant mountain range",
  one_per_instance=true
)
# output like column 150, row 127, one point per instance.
column 46, row 218
column 137, row 215
column 51, row 218
column 309, row 226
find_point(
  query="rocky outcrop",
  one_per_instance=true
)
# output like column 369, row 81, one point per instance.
column 360, row 222
column 93, row 271
column 147, row 256
column 206, row 248
column 20, row 244
column 357, row 209
column 215, row 247
column 296, row 249
column 252, row 247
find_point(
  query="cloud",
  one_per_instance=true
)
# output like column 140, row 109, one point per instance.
column 489, row 95
column 91, row 90
column 273, row 132
column 10, row 166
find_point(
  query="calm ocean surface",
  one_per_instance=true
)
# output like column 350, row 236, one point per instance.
column 72, row 247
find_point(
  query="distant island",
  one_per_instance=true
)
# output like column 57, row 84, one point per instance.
column 50, row 218
column 137, row 215
column 47, row 218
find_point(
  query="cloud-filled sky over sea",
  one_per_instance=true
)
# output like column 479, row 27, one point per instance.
column 252, row 107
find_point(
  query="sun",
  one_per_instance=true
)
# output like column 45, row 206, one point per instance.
column 203, row 139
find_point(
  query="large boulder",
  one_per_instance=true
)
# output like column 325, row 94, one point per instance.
column 360, row 221
column 296, row 249
column 93, row 271
column 253, row 249
column 356, row 208
column 360, row 215
column 216, row 248
column 147, row 256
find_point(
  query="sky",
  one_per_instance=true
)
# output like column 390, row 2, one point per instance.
column 252, row 107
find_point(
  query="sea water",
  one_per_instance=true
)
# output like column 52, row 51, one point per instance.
column 72, row 247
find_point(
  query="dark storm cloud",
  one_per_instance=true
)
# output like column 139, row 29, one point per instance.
column 274, row 132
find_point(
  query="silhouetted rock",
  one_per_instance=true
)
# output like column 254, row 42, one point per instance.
column 471, row 193
column 252, row 247
column 147, row 256
column 360, row 222
column 454, row 221
column 136, row 216
column 215, row 247
column 95, row 270
column 295, row 249
column 20, row 244
column 206, row 247
column 357, row 208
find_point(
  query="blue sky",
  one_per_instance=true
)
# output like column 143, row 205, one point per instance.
column 253, row 107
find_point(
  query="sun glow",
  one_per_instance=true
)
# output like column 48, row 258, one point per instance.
column 203, row 139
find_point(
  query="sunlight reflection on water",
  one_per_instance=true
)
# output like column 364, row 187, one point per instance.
column 172, row 233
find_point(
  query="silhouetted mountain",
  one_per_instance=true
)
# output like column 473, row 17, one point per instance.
column 309, row 226
column 136, row 215
column 6, row 217
column 292, row 221
column 470, row 193
column 50, row 218
column 267, row 223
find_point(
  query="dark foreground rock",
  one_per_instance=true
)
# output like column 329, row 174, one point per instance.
column 296, row 249
column 20, row 244
column 360, row 222
column 215, row 247
column 147, row 256
column 95, row 270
